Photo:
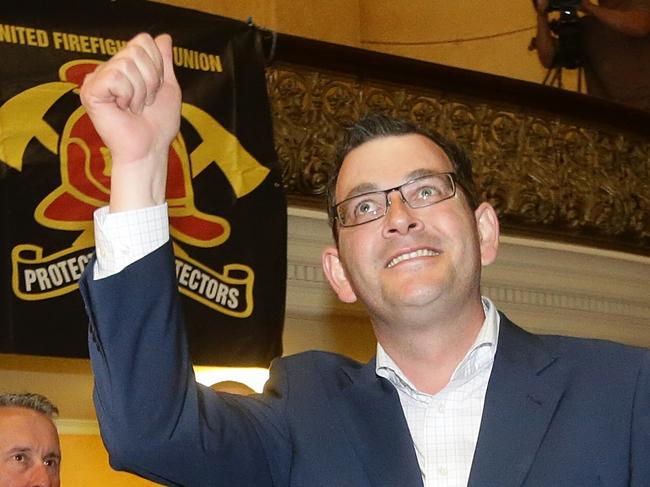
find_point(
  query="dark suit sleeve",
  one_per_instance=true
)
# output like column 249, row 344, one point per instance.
column 154, row 419
column 640, row 455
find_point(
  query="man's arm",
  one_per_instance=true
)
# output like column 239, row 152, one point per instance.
column 634, row 23
column 545, row 43
column 155, row 420
column 134, row 102
column 640, row 428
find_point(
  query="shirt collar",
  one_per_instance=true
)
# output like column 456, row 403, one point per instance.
column 479, row 355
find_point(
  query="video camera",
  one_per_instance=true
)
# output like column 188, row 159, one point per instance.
column 563, row 5
column 569, row 31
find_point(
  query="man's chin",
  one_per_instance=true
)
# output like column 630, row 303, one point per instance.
column 414, row 294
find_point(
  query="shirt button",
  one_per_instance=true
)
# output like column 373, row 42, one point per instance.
column 443, row 471
column 441, row 408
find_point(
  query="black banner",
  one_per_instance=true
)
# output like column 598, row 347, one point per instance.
column 227, row 207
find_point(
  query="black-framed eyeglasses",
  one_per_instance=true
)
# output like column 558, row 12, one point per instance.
column 416, row 193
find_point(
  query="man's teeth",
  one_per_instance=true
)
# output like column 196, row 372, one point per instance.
column 411, row 255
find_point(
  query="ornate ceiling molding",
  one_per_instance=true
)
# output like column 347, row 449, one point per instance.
column 546, row 174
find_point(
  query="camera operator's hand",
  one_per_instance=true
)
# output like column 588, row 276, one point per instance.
column 541, row 6
column 544, row 41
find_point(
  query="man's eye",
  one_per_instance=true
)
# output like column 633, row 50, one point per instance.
column 365, row 207
column 427, row 192
column 19, row 457
column 51, row 462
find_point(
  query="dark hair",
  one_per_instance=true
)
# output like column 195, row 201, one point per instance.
column 35, row 402
column 377, row 126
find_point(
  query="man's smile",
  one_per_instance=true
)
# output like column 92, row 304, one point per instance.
column 411, row 255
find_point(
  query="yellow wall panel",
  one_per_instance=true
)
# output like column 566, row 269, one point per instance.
column 85, row 463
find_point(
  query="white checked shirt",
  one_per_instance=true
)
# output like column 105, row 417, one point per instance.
column 445, row 426
column 124, row 237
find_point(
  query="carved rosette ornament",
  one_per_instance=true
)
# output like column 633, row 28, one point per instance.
column 545, row 175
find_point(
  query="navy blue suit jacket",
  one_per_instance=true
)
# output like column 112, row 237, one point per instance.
column 558, row 411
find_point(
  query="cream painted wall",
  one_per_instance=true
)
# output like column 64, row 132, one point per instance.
column 546, row 287
column 333, row 21
column 490, row 37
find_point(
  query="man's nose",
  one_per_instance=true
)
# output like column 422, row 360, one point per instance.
column 400, row 217
column 42, row 477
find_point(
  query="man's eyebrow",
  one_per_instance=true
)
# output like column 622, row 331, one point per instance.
column 370, row 187
column 419, row 173
column 361, row 189
column 19, row 449
column 53, row 456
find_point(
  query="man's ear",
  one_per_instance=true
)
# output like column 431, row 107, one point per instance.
column 336, row 275
column 487, row 224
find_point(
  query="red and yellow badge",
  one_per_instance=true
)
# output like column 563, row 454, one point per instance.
column 85, row 165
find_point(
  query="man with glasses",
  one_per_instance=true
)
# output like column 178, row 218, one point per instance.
column 457, row 394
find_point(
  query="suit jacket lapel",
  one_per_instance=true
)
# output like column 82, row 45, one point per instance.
column 372, row 416
column 525, row 388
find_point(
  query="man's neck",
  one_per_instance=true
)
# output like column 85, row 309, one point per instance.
column 429, row 354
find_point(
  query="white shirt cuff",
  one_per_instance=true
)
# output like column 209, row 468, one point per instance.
column 125, row 237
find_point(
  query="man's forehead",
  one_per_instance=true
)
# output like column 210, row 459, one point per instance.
column 385, row 162
column 18, row 411
column 16, row 420
column 366, row 187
